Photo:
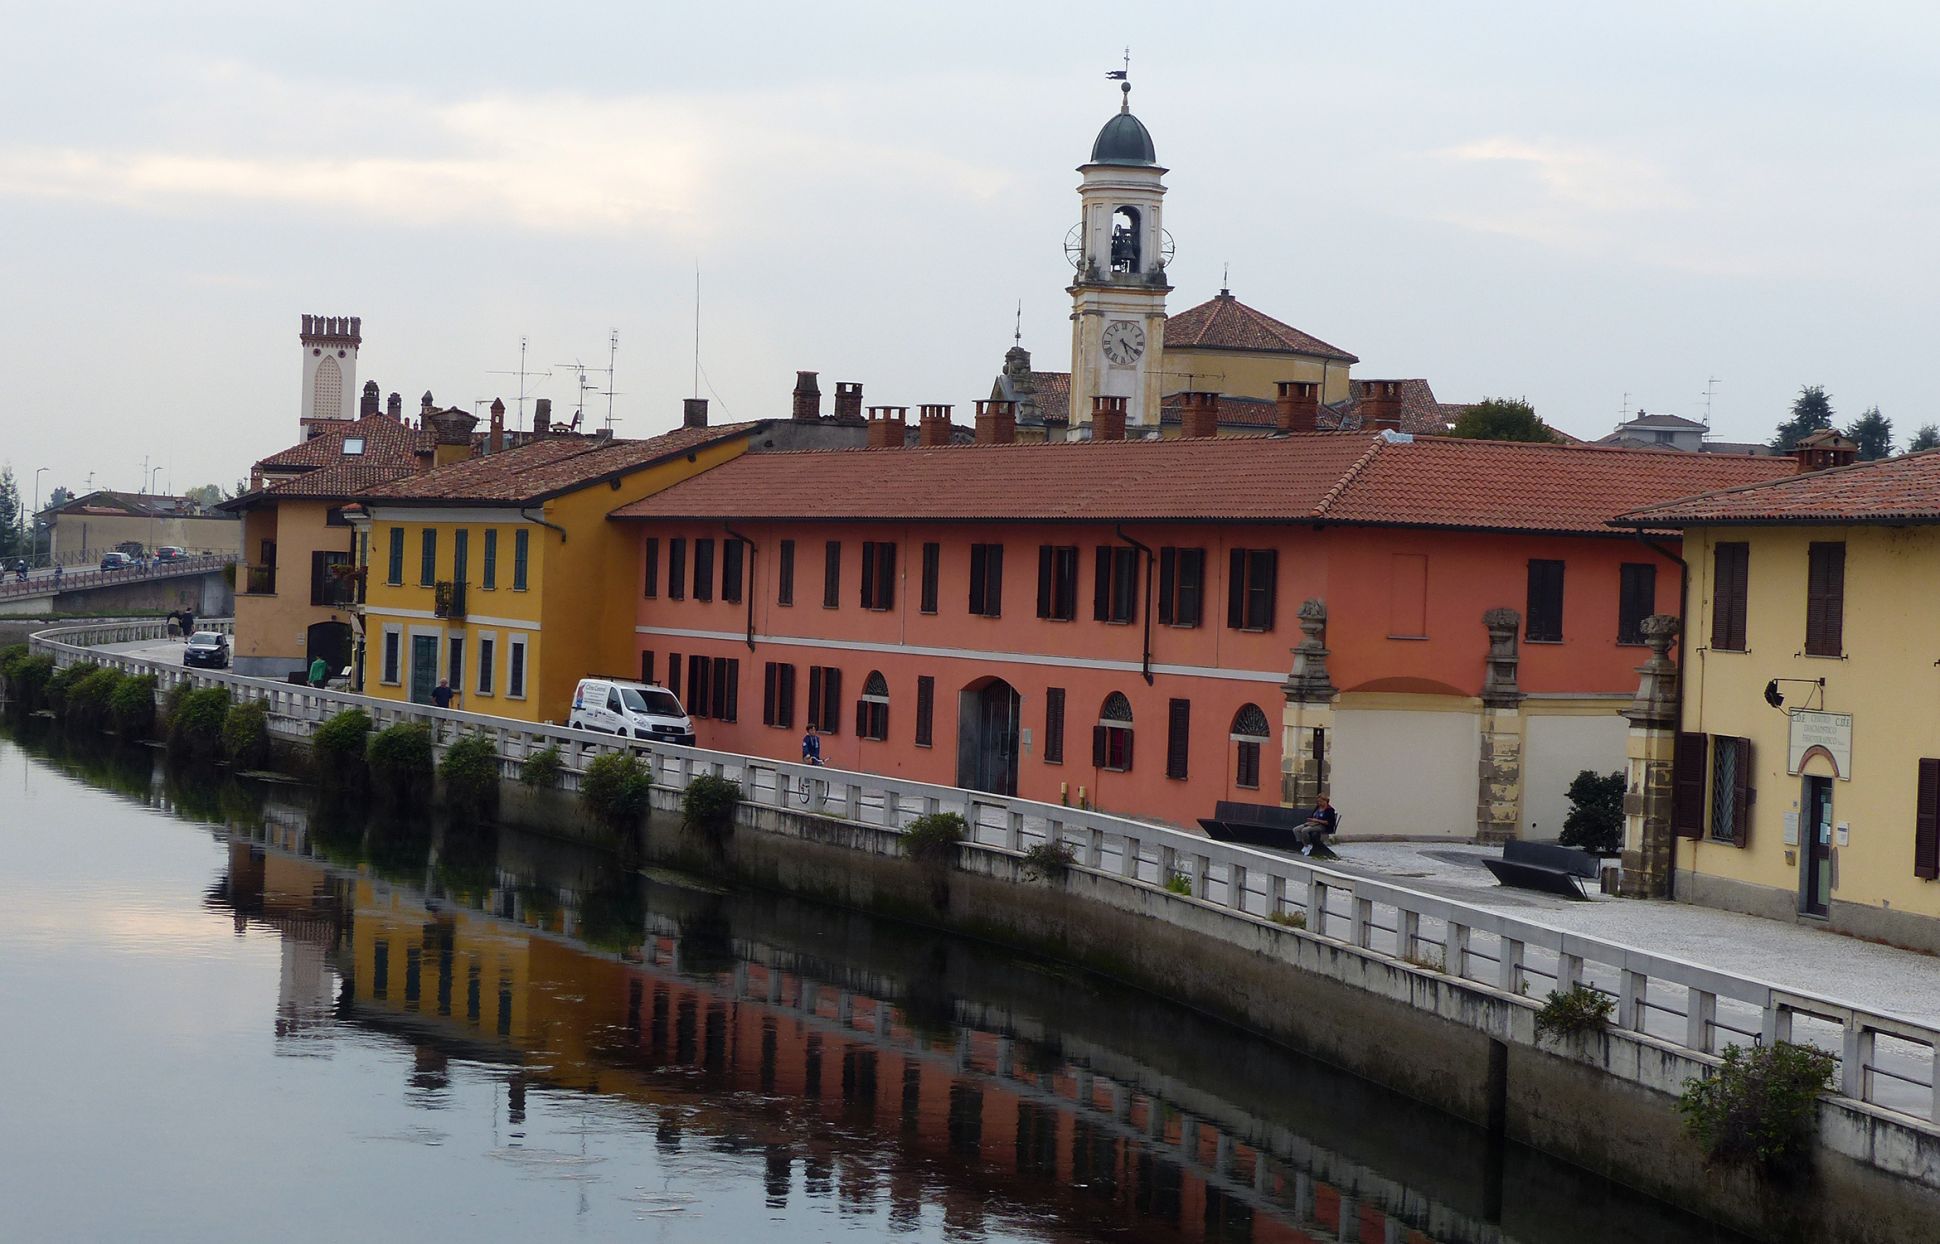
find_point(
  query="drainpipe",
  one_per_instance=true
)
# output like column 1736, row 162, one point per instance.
column 528, row 516
column 1145, row 598
column 1683, row 669
column 747, row 585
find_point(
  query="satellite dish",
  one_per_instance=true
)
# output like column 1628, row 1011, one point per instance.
column 1772, row 696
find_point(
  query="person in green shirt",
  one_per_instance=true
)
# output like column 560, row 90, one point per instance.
column 319, row 673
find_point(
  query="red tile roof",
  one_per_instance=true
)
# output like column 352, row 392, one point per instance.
column 1225, row 323
column 1421, row 414
column 1892, row 490
column 385, row 441
column 334, row 483
column 1317, row 477
column 546, row 468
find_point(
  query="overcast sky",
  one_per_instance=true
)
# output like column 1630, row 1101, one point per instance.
column 1563, row 202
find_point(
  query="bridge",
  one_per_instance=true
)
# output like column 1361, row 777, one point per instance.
column 204, row 585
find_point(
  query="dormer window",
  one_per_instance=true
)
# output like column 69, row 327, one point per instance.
column 353, row 446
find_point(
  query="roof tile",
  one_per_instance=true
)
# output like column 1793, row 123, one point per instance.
column 544, row 468
column 1223, row 322
column 1903, row 489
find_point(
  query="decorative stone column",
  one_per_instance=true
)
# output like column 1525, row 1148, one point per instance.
column 1649, row 852
column 1498, row 804
column 1307, row 718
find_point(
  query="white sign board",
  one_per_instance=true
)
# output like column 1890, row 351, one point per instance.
column 1829, row 734
column 1791, row 829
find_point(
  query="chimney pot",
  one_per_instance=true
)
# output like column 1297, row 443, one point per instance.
column 808, row 398
column 996, row 422
column 693, row 412
column 495, row 440
column 368, row 405
column 1296, row 406
column 394, row 407
column 933, row 428
column 888, row 426
column 1201, row 416
column 541, row 418
column 1107, row 418
column 1381, row 404
column 848, row 402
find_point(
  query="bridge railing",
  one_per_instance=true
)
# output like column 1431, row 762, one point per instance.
column 41, row 583
column 1885, row 1060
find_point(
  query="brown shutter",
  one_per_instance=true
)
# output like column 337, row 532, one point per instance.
column 1826, row 600
column 932, row 554
column 1236, row 590
column 1044, row 607
column 815, row 697
column 925, row 709
column 785, row 575
column 1742, row 792
column 1688, row 775
column 733, row 689
column 1178, row 737
column 652, row 559
column 979, row 572
column 1168, row 582
column 868, row 584
column 1192, row 581
column 1267, row 585
column 831, row 697
column 787, row 677
column 769, row 700
column 1926, row 822
column 1101, row 586
column 1098, row 749
column 1054, row 725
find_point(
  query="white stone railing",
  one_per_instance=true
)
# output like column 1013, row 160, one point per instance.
column 1884, row 1060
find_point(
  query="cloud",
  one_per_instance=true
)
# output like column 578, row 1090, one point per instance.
column 1579, row 175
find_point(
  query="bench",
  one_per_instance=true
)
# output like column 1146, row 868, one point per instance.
column 1545, row 866
column 1265, row 825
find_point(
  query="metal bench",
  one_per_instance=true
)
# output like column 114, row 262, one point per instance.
column 1265, row 825
column 1545, row 866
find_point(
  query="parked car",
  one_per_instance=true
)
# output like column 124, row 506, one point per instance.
column 171, row 553
column 116, row 561
column 636, row 709
column 207, row 649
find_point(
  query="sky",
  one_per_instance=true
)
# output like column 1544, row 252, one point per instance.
column 1581, row 205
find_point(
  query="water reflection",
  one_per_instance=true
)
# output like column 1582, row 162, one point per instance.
column 841, row 1065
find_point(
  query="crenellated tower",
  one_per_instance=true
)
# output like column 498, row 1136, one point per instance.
column 329, row 369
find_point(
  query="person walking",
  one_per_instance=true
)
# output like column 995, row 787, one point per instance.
column 319, row 672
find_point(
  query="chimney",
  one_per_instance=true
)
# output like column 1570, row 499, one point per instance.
column 426, row 406
column 1297, row 406
column 541, row 418
column 693, row 412
column 1824, row 449
column 933, row 428
column 888, row 425
column 368, row 406
column 1381, row 404
column 996, row 422
column 1107, row 418
column 394, row 407
column 808, row 398
column 1201, row 417
column 495, row 440
column 848, row 402
column 452, row 431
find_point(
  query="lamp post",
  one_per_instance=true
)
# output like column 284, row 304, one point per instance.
column 33, row 533
column 151, row 509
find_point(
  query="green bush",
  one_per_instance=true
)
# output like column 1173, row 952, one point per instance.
column 26, row 677
column 1573, row 1012
column 88, row 698
column 470, row 770
column 1289, row 919
column 707, row 805
column 245, row 735
column 401, row 759
column 541, row 769
column 1595, row 820
column 172, row 702
column 1179, row 883
column 63, row 682
column 616, row 789
column 1048, row 861
column 133, row 706
column 339, row 747
column 195, row 727
column 933, row 839
column 1760, row 1109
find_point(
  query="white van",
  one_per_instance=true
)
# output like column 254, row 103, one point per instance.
column 637, row 709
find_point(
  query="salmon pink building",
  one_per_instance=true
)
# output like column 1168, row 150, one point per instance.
column 1439, row 632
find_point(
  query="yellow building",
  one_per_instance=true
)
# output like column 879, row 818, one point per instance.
column 1807, row 773
column 502, row 575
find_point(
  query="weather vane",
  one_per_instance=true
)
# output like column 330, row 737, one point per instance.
column 1123, row 76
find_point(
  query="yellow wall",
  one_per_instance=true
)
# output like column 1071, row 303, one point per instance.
column 1887, row 680
column 276, row 627
column 1240, row 373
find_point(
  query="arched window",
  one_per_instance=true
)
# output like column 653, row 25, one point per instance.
column 328, row 390
column 1111, row 738
column 872, row 710
column 1250, row 729
column 1125, row 241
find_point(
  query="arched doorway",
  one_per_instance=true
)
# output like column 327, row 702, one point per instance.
column 331, row 641
column 987, row 715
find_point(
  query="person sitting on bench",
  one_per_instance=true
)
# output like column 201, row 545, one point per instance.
column 1319, row 827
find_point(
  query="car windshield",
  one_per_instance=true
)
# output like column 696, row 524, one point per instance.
column 649, row 700
column 205, row 639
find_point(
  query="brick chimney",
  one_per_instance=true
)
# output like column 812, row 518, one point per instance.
column 541, row 418
column 848, row 402
column 808, row 398
column 1201, row 416
column 452, row 430
column 996, row 422
column 394, row 407
column 368, row 406
column 495, row 438
column 888, row 425
column 1822, row 449
column 426, row 406
column 1296, row 408
column 933, row 427
column 1107, row 418
column 1381, row 404
column 693, row 412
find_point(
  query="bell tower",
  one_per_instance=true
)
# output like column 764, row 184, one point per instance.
column 1120, row 250
column 329, row 369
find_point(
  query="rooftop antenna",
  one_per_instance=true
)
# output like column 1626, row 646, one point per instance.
column 522, row 373
column 697, row 328
column 1226, row 277
column 612, row 355
column 1623, row 410
column 1017, row 334
column 1710, row 387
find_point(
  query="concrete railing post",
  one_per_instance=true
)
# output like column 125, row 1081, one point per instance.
column 1455, row 951
column 1509, row 965
column 1633, row 994
column 1129, row 850
column 1236, row 887
column 1700, row 1013
column 1856, row 1055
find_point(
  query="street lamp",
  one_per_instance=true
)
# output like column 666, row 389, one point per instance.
column 33, row 535
column 151, row 510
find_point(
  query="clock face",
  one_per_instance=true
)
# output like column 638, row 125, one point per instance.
column 1124, row 342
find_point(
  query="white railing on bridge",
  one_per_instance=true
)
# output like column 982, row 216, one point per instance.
column 41, row 583
column 1885, row 1060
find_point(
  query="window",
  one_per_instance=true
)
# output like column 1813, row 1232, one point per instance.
column 832, row 575
column 673, row 671
column 1688, row 778
column 698, row 685
column 778, row 695
column 334, row 517
column 1250, row 732
column 1054, row 726
column 925, row 710
column 428, row 557
column 1178, row 738
column 461, row 554
column 487, row 663
column 1182, row 586
column 1543, row 623
column 488, row 574
column 785, row 578
column 515, row 668
column 393, row 655
column 878, row 575
column 1057, row 581
column 646, row 668
column 677, row 569
column 1114, row 595
column 1636, row 600
column 1250, row 584
column 330, row 584
column 1729, row 581
column 824, row 698
column 455, row 663
column 987, row 580
column 1731, row 793
column 932, row 559
column 353, row 446
column 1825, row 600
column 650, row 559
column 704, row 569
column 521, row 549
column 1111, row 738
column 395, row 575
column 725, row 685
column 1408, row 596
column 1926, row 822
column 872, row 710
column 732, row 555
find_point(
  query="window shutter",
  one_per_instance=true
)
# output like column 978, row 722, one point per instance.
column 1128, row 749
column 787, row 681
column 886, row 577
column 1742, row 793
column 1236, row 590
column 731, row 572
column 979, row 571
column 1192, row 583
column 651, row 558
column 1044, row 603
column 925, row 710
column 814, row 697
column 993, row 585
column 785, row 575
column 1098, row 747
column 673, row 673
column 932, row 554
column 733, row 689
column 861, row 720
column 770, row 698
column 1178, row 736
column 1168, row 582
column 1688, row 773
column 1826, row 600
column 831, row 697
column 1054, row 725
column 832, row 574
column 1926, row 823
column 1101, row 585
column 1265, row 582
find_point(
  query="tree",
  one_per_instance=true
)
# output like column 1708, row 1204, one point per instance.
column 1873, row 433
column 1595, row 820
column 1811, row 411
column 1928, row 437
column 12, row 541
column 206, row 496
column 60, row 496
column 1502, row 419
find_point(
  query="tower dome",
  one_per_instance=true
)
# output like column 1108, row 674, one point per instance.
column 1124, row 140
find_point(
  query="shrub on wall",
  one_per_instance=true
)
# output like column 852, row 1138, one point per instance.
column 89, row 697
column 195, row 728
column 339, row 747
column 933, row 839
column 245, row 735
column 172, row 702
column 616, row 789
column 63, row 681
column 401, row 759
column 1574, row 1012
column 26, row 677
column 1048, row 861
column 541, row 769
column 470, row 770
column 132, row 706
column 707, row 805
column 1760, row 1109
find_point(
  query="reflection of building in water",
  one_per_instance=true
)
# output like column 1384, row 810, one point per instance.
column 302, row 903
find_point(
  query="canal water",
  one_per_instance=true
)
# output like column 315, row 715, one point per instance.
column 231, row 1012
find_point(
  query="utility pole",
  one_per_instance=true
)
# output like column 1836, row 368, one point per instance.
column 522, row 373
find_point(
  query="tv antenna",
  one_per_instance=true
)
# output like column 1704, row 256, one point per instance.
column 1710, row 388
column 1623, row 409
column 586, row 386
column 522, row 373
column 697, row 328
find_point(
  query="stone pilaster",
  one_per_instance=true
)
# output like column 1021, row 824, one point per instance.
column 1649, row 853
column 1498, row 804
column 1309, row 708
